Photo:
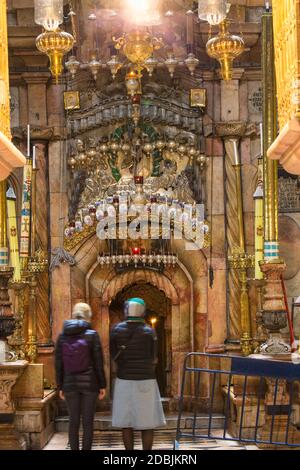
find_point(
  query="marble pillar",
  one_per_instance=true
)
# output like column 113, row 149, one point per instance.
column 41, row 242
column 230, row 132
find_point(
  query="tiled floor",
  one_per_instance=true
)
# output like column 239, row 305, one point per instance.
column 111, row 440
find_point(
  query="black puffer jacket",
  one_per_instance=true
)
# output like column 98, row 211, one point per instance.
column 137, row 361
column 91, row 380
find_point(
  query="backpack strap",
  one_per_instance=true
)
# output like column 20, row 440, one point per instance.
column 123, row 347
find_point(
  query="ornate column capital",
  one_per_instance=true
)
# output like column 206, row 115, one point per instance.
column 237, row 74
column 37, row 133
column 34, row 78
column 231, row 129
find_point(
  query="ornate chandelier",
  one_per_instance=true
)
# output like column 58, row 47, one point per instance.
column 89, row 153
column 225, row 48
column 138, row 46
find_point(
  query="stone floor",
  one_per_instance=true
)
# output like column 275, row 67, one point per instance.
column 163, row 440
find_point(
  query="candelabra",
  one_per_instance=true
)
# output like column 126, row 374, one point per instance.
column 243, row 261
column 37, row 265
column 17, row 340
column 87, row 154
column 137, row 259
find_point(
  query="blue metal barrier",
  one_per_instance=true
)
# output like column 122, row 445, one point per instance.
column 279, row 381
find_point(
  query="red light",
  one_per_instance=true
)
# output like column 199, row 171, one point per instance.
column 136, row 250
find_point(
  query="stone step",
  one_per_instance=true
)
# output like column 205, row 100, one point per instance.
column 102, row 422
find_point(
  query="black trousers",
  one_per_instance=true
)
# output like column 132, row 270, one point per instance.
column 81, row 404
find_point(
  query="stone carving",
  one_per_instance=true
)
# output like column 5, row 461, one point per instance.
column 289, row 194
column 59, row 256
column 256, row 100
column 231, row 129
column 5, row 389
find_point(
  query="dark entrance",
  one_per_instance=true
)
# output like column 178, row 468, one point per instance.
column 158, row 307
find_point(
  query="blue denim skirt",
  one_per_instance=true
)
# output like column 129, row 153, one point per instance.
column 137, row 405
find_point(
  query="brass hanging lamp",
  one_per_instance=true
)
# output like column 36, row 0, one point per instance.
column 225, row 48
column 55, row 44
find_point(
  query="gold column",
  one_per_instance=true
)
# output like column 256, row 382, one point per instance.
column 239, row 260
column 4, row 77
column 274, row 314
column 3, row 229
column 270, row 167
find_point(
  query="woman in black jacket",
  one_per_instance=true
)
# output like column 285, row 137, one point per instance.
column 79, row 373
column 136, row 403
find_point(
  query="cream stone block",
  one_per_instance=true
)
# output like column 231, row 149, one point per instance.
column 245, row 151
column 25, row 17
column 14, row 107
column 55, row 156
column 243, row 101
column 218, row 236
column 55, row 104
column 23, row 107
column 78, row 291
column 31, row 383
column 37, row 104
column 249, row 184
column 218, row 185
column 216, row 299
column 230, row 100
column 60, row 298
column 58, row 214
column 249, row 231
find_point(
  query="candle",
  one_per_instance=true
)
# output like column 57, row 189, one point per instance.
column 28, row 140
column 13, row 233
column 267, row 6
column 34, row 158
column 25, row 214
column 236, row 153
column 258, row 229
column 261, row 139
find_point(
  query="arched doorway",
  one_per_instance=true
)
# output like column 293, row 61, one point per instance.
column 158, row 316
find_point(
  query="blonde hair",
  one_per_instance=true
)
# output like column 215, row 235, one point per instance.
column 82, row 311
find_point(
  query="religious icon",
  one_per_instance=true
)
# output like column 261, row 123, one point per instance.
column 71, row 100
column 198, row 97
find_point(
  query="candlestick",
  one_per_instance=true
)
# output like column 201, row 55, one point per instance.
column 28, row 140
column 34, row 157
column 25, row 214
column 258, row 229
column 33, row 213
column 261, row 139
column 13, row 234
column 236, row 153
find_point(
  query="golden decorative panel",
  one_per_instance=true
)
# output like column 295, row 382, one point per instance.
column 4, row 81
column 286, row 23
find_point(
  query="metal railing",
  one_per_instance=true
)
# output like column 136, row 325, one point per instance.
column 258, row 399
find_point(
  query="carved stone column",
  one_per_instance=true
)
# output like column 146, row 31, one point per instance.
column 41, row 242
column 231, row 132
column 40, row 135
column 9, row 374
